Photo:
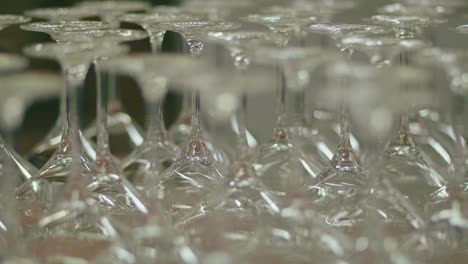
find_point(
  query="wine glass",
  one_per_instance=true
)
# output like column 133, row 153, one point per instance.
column 56, row 14
column 195, row 173
column 194, row 31
column 148, row 162
column 118, row 147
column 75, row 225
column 278, row 162
column 43, row 150
column 20, row 91
column 233, row 207
column 7, row 20
column 240, row 45
column 150, row 22
column 54, row 173
column 11, row 232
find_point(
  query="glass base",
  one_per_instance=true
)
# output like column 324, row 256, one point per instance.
column 44, row 151
column 148, row 162
column 282, row 168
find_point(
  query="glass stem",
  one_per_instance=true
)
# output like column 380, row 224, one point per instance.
column 457, row 174
column 156, row 40
column 75, row 75
column 103, row 83
column 241, row 116
column 345, row 140
column 280, row 129
column 156, row 130
column 113, row 95
column 195, row 127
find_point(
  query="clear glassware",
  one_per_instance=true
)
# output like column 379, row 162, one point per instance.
column 410, row 9
column 218, row 10
column 240, row 44
column 21, row 90
column 75, row 226
column 404, row 163
column 407, row 26
column 194, row 31
column 120, row 145
column 43, row 150
column 148, row 162
column 56, row 14
column 195, row 173
column 7, row 20
column 278, row 162
column 150, row 22
column 124, row 132
column 344, row 176
column 12, row 248
column 110, row 10
column 349, row 208
column 283, row 26
column 75, row 60
column 234, row 207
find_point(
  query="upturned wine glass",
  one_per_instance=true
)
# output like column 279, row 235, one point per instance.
column 195, row 173
column 236, row 205
column 74, row 60
column 278, row 162
column 148, row 162
column 150, row 22
column 43, row 150
column 75, row 224
column 241, row 44
column 120, row 146
column 20, row 91
column 194, row 31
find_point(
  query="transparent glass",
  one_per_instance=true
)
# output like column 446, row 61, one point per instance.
column 7, row 20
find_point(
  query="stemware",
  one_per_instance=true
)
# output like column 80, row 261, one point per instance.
column 61, row 13
column 74, row 210
column 404, row 164
column 194, row 32
column 151, row 23
column 148, row 162
column 240, row 44
column 7, row 20
column 195, row 173
column 20, row 91
column 43, row 150
column 119, row 147
column 235, row 206
column 110, row 10
column 410, row 9
column 278, row 162
column 75, row 60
